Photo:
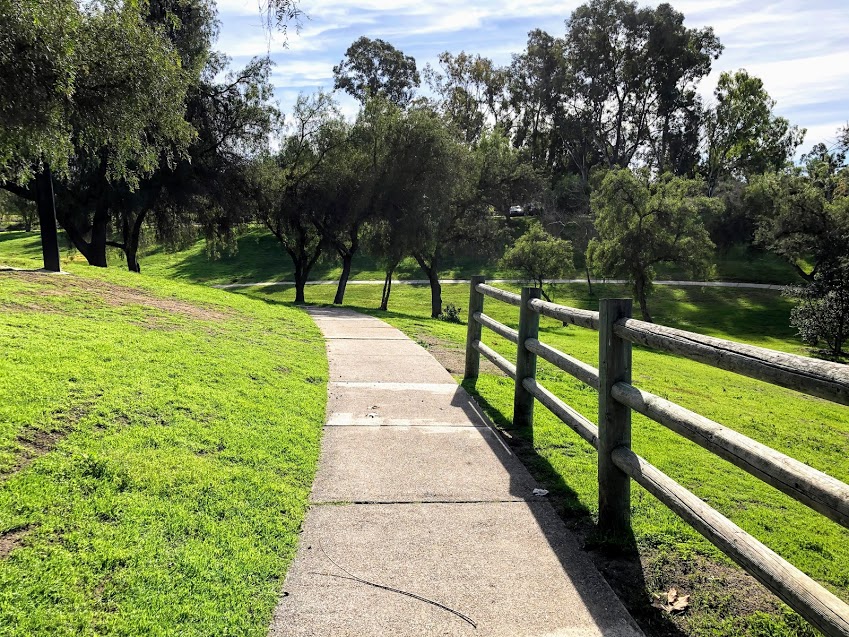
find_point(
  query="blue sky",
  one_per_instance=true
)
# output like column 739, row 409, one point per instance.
column 799, row 48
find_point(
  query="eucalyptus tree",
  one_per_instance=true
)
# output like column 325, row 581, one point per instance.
column 375, row 68
column 742, row 137
column 632, row 77
column 472, row 92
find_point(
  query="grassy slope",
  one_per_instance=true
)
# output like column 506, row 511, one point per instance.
column 811, row 430
column 259, row 258
column 158, row 441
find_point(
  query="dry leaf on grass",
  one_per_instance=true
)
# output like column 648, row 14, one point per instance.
column 675, row 603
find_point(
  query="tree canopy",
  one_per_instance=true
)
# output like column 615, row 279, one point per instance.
column 644, row 223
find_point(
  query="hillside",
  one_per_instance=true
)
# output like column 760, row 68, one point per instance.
column 258, row 257
column 158, row 441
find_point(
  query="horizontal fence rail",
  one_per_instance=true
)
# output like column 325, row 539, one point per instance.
column 823, row 379
column 820, row 607
column 618, row 464
column 501, row 295
column 571, row 315
column 818, row 490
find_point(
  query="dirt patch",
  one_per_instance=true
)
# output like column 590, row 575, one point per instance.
column 11, row 540
column 34, row 443
column 641, row 582
column 114, row 295
column 451, row 356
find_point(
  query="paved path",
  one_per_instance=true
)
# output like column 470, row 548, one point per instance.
column 416, row 492
column 708, row 284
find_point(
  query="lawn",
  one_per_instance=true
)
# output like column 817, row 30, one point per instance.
column 158, row 441
column 258, row 257
column 814, row 431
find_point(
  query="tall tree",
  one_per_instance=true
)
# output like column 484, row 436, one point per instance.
column 375, row 68
column 741, row 134
column 288, row 190
column 641, row 224
column 633, row 73
column 472, row 92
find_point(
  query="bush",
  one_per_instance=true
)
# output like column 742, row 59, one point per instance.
column 821, row 315
column 451, row 314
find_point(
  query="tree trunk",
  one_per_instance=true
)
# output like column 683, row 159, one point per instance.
column 347, row 258
column 432, row 272
column 435, row 295
column 132, row 258
column 589, row 280
column 387, row 288
column 132, row 238
column 640, row 290
column 97, row 245
column 300, row 284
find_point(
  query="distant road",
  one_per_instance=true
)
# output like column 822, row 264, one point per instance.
column 708, row 284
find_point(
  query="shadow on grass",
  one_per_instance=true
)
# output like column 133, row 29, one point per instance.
column 618, row 559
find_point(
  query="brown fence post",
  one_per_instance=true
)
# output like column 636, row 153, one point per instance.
column 614, row 420
column 473, row 329
column 526, row 361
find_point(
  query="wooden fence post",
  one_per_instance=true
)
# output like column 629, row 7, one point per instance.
column 526, row 361
column 473, row 329
column 614, row 420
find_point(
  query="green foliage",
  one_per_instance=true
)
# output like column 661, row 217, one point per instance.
column 452, row 314
column 91, row 70
column 643, row 224
column 182, row 429
column 473, row 93
column 539, row 256
column 375, row 68
column 742, row 136
column 822, row 314
column 633, row 74
column 797, row 221
column 39, row 59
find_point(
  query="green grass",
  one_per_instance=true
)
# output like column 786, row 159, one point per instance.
column 811, row 430
column 258, row 257
column 158, row 441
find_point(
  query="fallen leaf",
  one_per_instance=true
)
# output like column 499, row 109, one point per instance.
column 671, row 594
column 681, row 603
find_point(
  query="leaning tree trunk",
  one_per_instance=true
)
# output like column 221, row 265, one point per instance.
column 589, row 280
column 347, row 258
column 132, row 239
column 387, row 289
column 432, row 272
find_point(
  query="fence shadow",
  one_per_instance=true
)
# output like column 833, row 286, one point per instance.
column 617, row 560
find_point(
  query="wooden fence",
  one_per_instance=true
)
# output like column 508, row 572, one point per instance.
column 618, row 464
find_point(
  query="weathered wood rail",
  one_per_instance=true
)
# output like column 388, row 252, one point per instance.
column 618, row 464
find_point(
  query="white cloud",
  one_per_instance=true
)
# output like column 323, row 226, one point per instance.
column 800, row 48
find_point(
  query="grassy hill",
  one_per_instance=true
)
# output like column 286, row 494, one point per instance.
column 158, row 441
column 670, row 554
column 258, row 257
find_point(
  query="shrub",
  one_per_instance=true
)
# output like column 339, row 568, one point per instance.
column 451, row 314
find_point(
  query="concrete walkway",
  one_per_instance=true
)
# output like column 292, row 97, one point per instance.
column 415, row 492
column 700, row 284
